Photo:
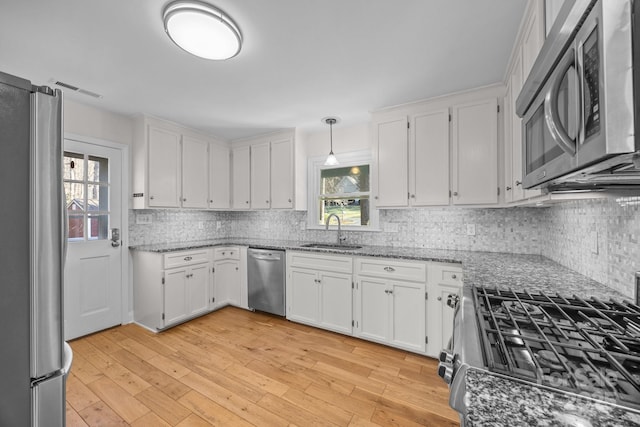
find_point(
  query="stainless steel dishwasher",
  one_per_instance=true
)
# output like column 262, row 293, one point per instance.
column 266, row 280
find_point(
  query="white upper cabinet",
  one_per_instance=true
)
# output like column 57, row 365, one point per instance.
column 391, row 146
column 164, row 168
column 219, row 177
column 241, row 177
column 263, row 170
column 427, row 152
column 429, row 158
column 525, row 52
column 475, row 153
column 533, row 36
column 282, row 173
column 175, row 167
column 260, row 176
column 195, row 173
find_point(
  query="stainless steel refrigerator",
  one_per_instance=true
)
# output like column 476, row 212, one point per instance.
column 33, row 355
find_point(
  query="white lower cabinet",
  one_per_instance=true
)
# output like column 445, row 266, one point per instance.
column 391, row 310
column 395, row 302
column 170, row 288
column 319, row 291
column 229, row 284
column 445, row 284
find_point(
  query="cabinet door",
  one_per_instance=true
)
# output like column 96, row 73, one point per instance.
column 373, row 309
column 391, row 145
column 302, row 296
column 336, row 304
column 408, row 315
column 260, row 176
column 508, row 145
column 282, row 174
column 241, row 178
column 227, row 281
column 533, row 37
column 219, row 184
column 440, row 317
column 429, row 159
column 176, row 304
column 198, row 289
column 195, row 173
column 164, row 168
column 475, row 153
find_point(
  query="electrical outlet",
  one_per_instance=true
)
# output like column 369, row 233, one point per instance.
column 471, row 229
column 218, row 225
column 200, row 225
column 143, row 219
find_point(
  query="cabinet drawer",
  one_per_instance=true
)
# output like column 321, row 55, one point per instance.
column 450, row 274
column 226, row 253
column 337, row 264
column 185, row 258
column 401, row 270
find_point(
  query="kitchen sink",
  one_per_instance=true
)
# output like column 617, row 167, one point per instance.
column 331, row 246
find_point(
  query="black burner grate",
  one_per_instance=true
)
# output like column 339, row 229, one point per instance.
column 588, row 347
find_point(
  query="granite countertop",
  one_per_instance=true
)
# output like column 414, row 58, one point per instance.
column 493, row 400
column 491, row 269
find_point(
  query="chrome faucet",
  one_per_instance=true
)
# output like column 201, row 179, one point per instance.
column 326, row 226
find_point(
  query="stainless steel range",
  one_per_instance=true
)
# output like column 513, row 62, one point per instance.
column 586, row 347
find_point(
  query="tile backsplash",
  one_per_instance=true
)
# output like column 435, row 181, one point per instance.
column 597, row 238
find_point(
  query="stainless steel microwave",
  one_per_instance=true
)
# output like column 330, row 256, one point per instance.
column 578, row 104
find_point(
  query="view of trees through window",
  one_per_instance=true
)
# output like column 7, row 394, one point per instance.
column 345, row 191
column 86, row 195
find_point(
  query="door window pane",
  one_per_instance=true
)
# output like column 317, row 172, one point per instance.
column 76, row 227
column 98, row 226
column 97, row 169
column 73, row 167
column 86, row 189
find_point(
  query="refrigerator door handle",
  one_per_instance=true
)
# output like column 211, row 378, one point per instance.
column 47, row 240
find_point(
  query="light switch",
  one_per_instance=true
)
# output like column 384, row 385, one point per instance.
column 143, row 219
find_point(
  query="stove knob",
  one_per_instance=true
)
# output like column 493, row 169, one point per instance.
column 446, row 357
column 445, row 371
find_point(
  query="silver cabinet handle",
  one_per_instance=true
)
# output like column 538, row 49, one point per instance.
column 150, row 197
column 455, row 193
column 413, row 196
column 453, row 276
column 389, row 269
column 518, row 183
column 390, row 291
column 289, row 200
column 188, row 258
column 439, row 298
column 223, row 253
column 266, row 201
column 247, row 202
column 508, row 188
column 210, row 201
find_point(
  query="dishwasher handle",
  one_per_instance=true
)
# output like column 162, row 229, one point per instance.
column 266, row 257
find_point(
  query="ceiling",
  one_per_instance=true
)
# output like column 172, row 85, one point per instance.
column 301, row 60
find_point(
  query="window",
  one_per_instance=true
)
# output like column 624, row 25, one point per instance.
column 86, row 192
column 343, row 190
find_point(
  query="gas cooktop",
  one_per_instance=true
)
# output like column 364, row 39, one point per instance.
column 584, row 346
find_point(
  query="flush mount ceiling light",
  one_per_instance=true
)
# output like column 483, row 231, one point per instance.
column 202, row 30
column 331, row 159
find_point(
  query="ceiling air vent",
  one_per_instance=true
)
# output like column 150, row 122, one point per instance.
column 75, row 88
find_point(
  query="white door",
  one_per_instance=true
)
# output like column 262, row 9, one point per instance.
column 282, row 174
column 336, row 305
column 164, row 168
column 391, row 145
column 373, row 309
column 408, row 314
column 195, row 173
column 93, row 269
column 302, row 294
column 241, row 180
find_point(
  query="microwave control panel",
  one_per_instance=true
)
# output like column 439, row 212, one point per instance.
column 591, row 85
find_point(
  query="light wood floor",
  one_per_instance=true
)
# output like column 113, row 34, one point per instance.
column 238, row 368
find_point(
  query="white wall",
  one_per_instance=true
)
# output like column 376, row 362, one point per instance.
column 81, row 119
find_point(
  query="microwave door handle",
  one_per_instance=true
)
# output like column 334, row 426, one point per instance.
column 551, row 115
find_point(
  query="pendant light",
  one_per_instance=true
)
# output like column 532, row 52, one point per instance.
column 331, row 158
column 202, row 29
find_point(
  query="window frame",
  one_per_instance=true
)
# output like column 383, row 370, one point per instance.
column 314, row 167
